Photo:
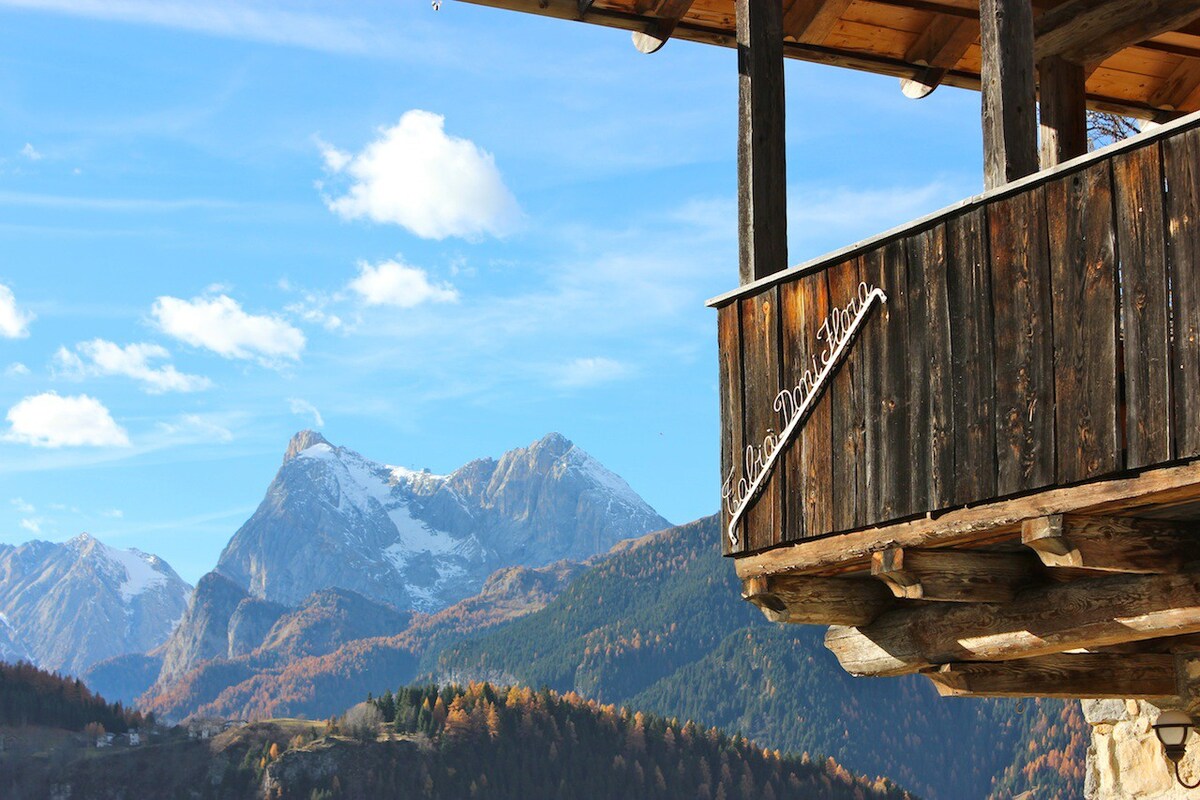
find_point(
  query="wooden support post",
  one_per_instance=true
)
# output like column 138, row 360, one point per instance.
column 808, row 600
column 952, row 576
column 1082, row 614
column 1077, row 675
column 1061, row 87
column 762, row 161
column 1009, row 93
column 1111, row 544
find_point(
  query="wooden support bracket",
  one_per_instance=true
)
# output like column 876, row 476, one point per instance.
column 1111, row 544
column 952, row 576
column 669, row 13
column 817, row 601
column 1055, row 618
column 1150, row 677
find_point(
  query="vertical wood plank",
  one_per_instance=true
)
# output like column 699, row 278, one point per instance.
column 762, row 159
column 1024, row 343
column 884, row 342
column 846, row 401
column 972, row 358
column 1008, row 91
column 762, row 369
column 1181, row 167
column 808, row 507
column 930, row 391
column 1145, row 313
column 1083, row 274
column 729, row 360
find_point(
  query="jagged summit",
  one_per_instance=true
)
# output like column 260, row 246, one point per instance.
column 301, row 442
column 417, row 540
column 72, row 604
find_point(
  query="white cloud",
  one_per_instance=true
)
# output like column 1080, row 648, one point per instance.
column 99, row 357
column 14, row 322
column 585, row 372
column 113, row 513
column 301, row 406
column 32, row 524
column 416, row 176
column 391, row 283
column 16, row 369
column 22, row 506
column 219, row 324
column 51, row 420
column 31, row 152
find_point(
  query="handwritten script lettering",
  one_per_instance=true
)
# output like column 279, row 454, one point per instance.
column 796, row 403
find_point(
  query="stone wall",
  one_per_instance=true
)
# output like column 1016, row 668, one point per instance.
column 1125, row 760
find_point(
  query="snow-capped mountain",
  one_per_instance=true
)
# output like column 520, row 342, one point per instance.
column 67, row 606
column 332, row 518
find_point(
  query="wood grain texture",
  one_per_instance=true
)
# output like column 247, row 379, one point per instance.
column 1024, row 344
column 848, row 414
column 1147, row 676
column 1062, row 110
column 1088, row 31
column 729, row 360
column 1049, row 619
column 1145, row 310
column 972, row 357
column 1009, row 91
column 1083, row 272
column 1181, row 168
column 762, row 155
column 808, row 460
column 953, row 576
column 817, row 601
column 764, row 518
column 1111, row 544
column 931, row 395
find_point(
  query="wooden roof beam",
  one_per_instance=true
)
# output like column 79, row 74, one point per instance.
column 1181, row 84
column 810, row 21
column 668, row 13
column 1054, row 618
column 952, row 576
column 1111, row 544
column 939, row 48
column 810, row 600
column 1087, row 31
column 1069, row 676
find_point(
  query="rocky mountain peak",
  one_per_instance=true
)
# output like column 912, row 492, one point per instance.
column 301, row 442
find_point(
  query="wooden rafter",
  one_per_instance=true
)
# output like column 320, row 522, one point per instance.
column 667, row 14
column 952, row 576
column 1086, row 31
column 1080, row 615
column 1180, row 85
column 1111, row 544
column 1075, row 675
column 810, row 21
column 938, row 49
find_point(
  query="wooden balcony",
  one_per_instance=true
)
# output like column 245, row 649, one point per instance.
column 1035, row 370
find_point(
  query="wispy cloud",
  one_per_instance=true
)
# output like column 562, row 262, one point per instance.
column 138, row 205
column 303, row 407
column 582, row 373
column 253, row 21
column 30, row 152
column 14, row 320
column 100, row 358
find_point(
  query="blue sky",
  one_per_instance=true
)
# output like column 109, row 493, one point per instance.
column 432, row 235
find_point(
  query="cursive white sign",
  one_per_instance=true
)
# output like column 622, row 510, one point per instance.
column 795, row 404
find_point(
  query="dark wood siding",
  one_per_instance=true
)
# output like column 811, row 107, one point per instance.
column 1047, row 335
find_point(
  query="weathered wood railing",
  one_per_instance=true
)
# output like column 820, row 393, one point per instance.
column 1046, row 333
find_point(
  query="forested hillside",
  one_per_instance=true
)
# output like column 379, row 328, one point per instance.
column 661, row 627
column 31, row 696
